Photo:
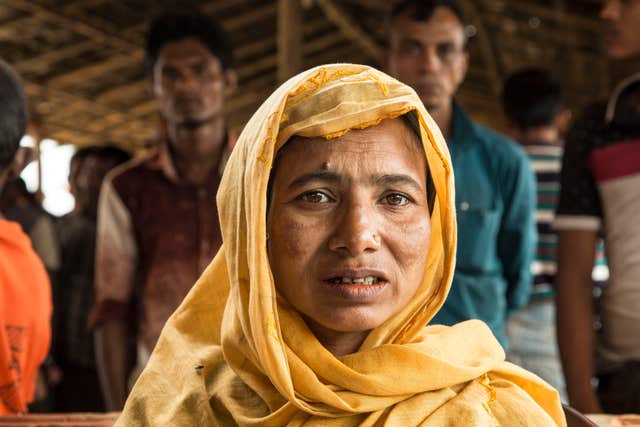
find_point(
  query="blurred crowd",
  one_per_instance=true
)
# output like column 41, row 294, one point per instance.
column 84, row 297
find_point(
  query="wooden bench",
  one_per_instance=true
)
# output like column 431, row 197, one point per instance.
column 59, row 420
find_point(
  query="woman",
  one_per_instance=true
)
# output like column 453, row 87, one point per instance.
column 337, row 212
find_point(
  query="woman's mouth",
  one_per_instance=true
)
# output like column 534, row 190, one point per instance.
column 367, row 280
column 356, row 288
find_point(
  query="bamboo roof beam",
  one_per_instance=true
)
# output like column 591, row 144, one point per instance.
column 71, row 23
column 577, row 22
column 96, row 70
column 256, row 15
column 78, row 5
column 9, row 29
column 216, row 6
column 489, row 54
column 352, row 31
column 53, row 56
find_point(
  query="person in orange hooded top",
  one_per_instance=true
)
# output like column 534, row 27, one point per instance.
column 25, row 292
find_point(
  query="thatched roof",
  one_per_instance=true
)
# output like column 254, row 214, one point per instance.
column 82, row 60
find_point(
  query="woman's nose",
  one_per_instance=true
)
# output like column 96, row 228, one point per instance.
column 356, row 231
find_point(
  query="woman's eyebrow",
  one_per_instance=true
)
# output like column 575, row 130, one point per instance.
column 395, row 179
column 325, row 176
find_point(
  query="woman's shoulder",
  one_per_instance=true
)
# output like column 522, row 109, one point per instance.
column 520, row 394
column 175, row 392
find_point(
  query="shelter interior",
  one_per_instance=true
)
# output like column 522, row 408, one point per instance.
column 82, row 60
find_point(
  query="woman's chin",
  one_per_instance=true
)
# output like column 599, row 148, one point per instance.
column 348, row 321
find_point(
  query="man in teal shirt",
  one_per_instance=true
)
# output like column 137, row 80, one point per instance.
column 495, row 187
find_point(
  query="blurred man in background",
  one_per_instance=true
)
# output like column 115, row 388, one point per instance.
column 79, row 388
column 533, row 104
column 495, row 188
column 157, row 218
column 600, row 193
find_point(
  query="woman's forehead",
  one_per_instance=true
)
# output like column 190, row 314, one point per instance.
column 385, row 133
column 390, row 145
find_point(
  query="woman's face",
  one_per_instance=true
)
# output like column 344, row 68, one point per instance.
column 349, row 226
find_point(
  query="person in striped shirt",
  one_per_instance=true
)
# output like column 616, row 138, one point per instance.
column 536, row 116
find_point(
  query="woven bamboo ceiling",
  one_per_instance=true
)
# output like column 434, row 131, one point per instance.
column 82, row 60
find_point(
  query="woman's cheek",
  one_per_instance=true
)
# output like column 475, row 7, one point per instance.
column 297, row 235
column 413, row 241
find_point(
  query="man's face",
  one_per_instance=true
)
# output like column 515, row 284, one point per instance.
column 622, row 28
column 74, row 170
column 429, row 56
column 349, row 226
column 188, row 82
column 88, row 179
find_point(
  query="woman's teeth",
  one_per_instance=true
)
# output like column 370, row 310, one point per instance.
column 368, row 280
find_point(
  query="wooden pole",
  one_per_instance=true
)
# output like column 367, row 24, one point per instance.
column 289, row 38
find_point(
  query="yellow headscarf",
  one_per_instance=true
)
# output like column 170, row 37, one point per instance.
column 269, row 369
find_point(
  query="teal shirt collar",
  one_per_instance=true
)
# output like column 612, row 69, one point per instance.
column 463, row 130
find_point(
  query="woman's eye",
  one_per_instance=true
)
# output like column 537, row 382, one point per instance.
column 315, row 197
column 396, row 199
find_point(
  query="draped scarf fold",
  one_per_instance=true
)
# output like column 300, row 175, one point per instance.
column 236, row 353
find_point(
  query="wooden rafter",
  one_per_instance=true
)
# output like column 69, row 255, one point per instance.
column 96, row 70
column 78, row 26
column 576, row 22
column 489, row 54
column 54, row 55
column 78, row 5
column 72, row 103
column 34, row 89
column 216, row 6
column 561, row 36
column 352, row 31
column 7, row 30
column 119, row 93
column 246, row 19
column 381, row 6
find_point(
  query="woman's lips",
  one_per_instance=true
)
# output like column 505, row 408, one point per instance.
column 355, row 291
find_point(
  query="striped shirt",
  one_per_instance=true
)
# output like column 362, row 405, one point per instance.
column 546, row 161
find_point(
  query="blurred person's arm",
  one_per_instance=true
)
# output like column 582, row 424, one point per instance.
column 574, row 316
column 517, row 237
column 115, row 272
column 578, row 222
column 45, row 243
column 113, row 361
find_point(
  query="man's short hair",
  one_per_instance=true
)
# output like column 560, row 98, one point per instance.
column 173, row 27
column 13, row 114
column 109, row 152
column 532, row 97
column 419, row 10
